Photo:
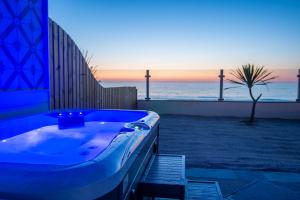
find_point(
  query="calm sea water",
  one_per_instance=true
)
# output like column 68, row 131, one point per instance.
column 281, row 91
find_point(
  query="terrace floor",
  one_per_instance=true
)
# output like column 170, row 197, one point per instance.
column 250, row 185
column 261, row 161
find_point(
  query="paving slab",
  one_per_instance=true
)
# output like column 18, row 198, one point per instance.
column 265, row 190
column 248, row 184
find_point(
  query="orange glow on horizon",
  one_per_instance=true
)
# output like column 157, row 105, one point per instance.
column 284, row 75
column 157, row 75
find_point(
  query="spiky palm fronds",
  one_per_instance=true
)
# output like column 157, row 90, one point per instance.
column 250, row 75
column 88, row 59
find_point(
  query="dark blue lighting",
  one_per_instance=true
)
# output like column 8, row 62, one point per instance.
column 70, row 120
column 16, row 126
column 24, row 66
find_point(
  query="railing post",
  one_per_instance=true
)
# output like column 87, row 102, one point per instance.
column 221, row 76
column 298, row 96
column 147, row 76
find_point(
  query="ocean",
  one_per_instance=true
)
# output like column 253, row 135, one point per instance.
column 277, row 91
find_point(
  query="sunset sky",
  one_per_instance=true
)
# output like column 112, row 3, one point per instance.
column 284, row 75
column 183, row 35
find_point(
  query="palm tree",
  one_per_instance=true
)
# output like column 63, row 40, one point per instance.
column 249, row 76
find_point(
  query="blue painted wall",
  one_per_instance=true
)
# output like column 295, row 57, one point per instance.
column 24, row 67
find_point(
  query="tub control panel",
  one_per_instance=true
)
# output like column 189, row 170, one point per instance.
column 70, row 120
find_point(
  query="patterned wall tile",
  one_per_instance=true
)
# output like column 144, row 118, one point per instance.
column 23, row 63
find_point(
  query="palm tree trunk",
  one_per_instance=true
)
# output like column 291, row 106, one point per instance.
column 253, row 111
column 253, row 106
column 254, row 101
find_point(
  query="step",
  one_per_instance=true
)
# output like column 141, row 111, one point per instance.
column 203, row 190
column 200, row 190
column 164, row 177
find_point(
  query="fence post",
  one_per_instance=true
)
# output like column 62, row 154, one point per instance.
column 221, row 76
column 298, row 96
column 147, row 76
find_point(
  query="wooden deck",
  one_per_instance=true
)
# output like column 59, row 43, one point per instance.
column 201, row 190
column 164, row 177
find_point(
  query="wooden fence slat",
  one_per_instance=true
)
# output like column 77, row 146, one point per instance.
column 92, row 92
column 61, row 67
column 56, row 66
column 77, row 78
column 70, row 73
column 65, row 71
column 51, row 60
column 88, row 97
column 85, row 95
column 72, row 84
column 81, row 102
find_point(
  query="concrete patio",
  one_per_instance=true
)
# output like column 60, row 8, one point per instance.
column 249, row 162
column 249, row 185
column 211, row 142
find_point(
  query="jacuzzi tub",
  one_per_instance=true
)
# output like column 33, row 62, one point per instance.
column 76, row 155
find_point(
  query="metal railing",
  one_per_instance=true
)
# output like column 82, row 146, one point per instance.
column 298, row 96
column 221, row 77
column 147, row 76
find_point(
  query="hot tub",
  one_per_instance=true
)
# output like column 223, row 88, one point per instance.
column 76, row 154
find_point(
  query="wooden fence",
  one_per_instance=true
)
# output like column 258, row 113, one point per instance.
column 72, row 85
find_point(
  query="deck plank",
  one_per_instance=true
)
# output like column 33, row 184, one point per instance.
column 164, row 177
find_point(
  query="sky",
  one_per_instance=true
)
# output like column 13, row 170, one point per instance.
column 184, row 34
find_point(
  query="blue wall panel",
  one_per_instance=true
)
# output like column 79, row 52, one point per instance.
column 24, row 68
